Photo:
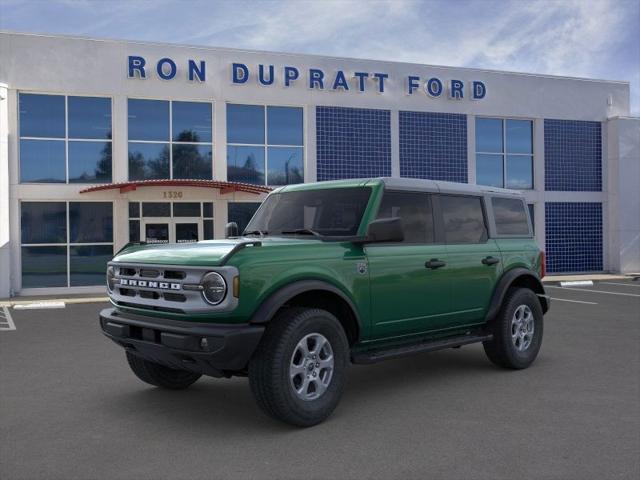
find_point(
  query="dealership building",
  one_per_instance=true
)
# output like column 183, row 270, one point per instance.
column 103, row 142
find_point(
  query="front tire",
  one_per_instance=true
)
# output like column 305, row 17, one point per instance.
column 298, row 372
column 159, row 375
column 517, row 330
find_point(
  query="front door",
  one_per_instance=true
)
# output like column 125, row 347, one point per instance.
column 410, row 288
column 156, row 230
column 171, row 230
column 187, row 230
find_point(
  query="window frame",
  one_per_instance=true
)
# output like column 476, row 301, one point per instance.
column 67, row 244
column 170, row 142
column 66, row 139
column 139, row 218
column 504, row 154
column 266, row 145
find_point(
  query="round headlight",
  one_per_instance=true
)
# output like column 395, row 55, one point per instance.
column 111, row 278
column 214, row 288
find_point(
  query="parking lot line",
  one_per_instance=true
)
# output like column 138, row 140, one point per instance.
column 622, row 284
column 573, row 301
column 594, row 291
column 6, row 322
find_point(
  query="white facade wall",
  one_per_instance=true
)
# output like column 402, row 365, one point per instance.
column 71, row 66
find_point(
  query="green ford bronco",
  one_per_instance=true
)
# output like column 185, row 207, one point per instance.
column 328, row 274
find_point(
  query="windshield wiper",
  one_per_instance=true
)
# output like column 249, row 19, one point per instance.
column 255, row 232
column 302, row 231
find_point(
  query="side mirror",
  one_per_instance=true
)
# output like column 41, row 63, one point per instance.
column 231, row 230
column 385, row 230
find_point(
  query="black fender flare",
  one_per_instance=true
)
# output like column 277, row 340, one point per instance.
column 508, row 279
column 268, row 308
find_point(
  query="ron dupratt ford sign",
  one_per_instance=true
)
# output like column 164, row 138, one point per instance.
column 313, row 78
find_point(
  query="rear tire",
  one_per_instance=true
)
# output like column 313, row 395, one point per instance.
column 517, row 330
column 159, row 375
column 298, row 371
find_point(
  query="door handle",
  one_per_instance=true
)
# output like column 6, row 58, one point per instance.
column 490, row 260
column 434, row 263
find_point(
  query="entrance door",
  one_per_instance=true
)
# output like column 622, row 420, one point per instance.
column 171, row 230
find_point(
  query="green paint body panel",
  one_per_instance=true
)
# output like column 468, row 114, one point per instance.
column 395, row 296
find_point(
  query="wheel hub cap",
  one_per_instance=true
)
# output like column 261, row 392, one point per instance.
column 311, row 366
column 522, row 328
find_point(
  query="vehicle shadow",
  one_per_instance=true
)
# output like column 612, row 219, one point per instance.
column 220, row 406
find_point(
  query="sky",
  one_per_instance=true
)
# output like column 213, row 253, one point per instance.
column 579, row 38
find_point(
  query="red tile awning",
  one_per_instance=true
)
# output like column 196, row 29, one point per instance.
column 224, row 187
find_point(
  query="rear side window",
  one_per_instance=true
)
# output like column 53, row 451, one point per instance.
column 463, row 219
column 510, row 216
column 415, row 211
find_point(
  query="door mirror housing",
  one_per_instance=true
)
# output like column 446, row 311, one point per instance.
column 231, row 230
column 385, row 230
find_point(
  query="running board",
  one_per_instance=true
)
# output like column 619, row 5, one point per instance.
column 373, row 356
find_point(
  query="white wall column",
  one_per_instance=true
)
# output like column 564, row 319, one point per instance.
column 5, row 243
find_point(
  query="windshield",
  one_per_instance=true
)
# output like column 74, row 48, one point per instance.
column 325, row 212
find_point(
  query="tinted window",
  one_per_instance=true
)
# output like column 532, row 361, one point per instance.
column 285, row 165
column 207, row 210
column 519, row 136
column 44, row 267
column 89, row 117
column 192, row 161
column 44, row 222
column 148, row 161
column 191, row 122
column 89, row 162
column 42, row 161
column 510, row 216
column 42, row 116
column 245, row 124
column 415, row 211
column 532, row 215
column 186, row 209
column 88, row 264
column 241, row 213
column 207, row 233
column 134, row 210
column 156, row 209
column 90, row 222
column 245, row 164
column 284, row 126
column 134, row 230
column 489, row 170
column 463, row 219
column 519, row 172
column 148, row 119
column 329, row 211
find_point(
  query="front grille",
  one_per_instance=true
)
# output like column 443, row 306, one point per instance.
column 163, row 287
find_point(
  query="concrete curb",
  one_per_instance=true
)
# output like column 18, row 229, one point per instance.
column 70, row 301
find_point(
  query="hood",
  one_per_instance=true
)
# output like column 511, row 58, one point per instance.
column 205, row 253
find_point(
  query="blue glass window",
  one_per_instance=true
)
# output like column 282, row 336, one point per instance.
column 192, row 122
column 44, row 267
column 489, row 170
column 88, row 264
column 284, row 126
column 42, row 161
column 148, row 161
column 42, row 115
column 89, row 162
column 245, row 164
column 90, row 222
column 43, row 222
column 89, row 117
column 245, row 124
column 148, row 119
column 192, row 161
column 504, row 153
column 285, row 165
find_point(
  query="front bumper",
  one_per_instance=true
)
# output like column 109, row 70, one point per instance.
column 180, row 345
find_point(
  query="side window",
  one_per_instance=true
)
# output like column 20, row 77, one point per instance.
column 463, row 219
column 415, row 211
column 510, row 216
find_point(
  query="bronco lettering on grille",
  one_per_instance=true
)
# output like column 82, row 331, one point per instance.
column 128, row 282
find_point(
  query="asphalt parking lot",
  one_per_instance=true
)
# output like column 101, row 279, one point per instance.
column 71, row 409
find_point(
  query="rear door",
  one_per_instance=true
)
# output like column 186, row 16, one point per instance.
column 474, row 260
column 408, row 297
